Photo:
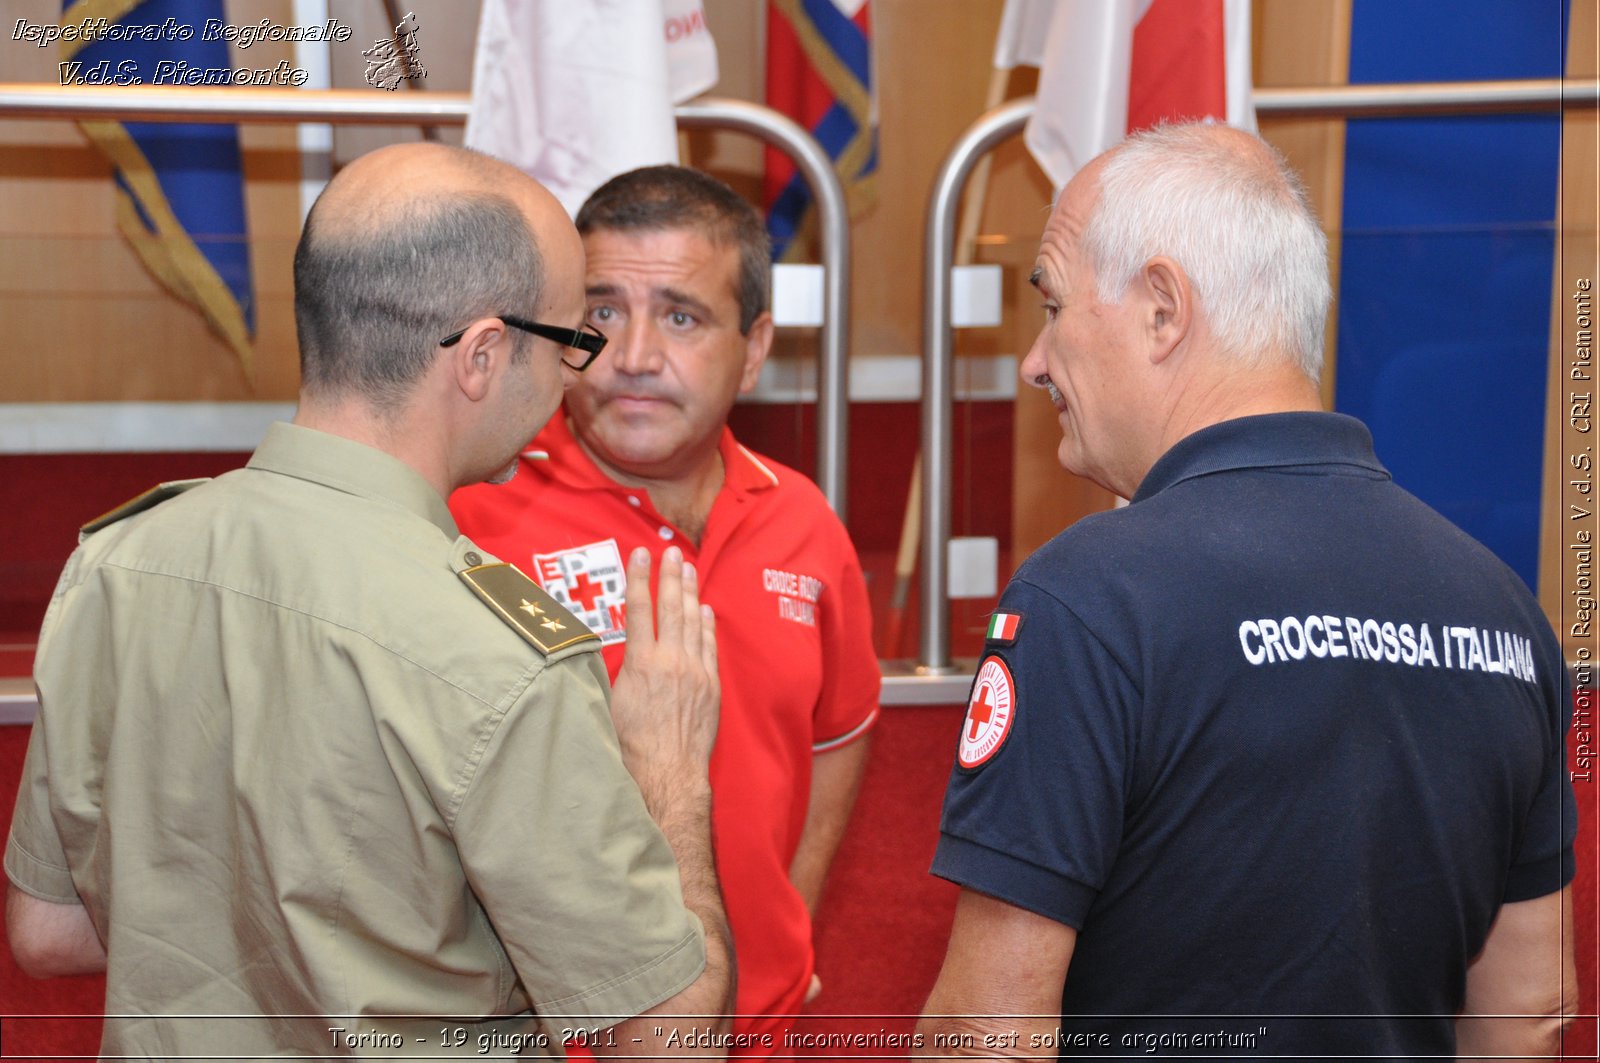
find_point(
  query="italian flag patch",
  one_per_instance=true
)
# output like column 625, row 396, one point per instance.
column 1003, row 627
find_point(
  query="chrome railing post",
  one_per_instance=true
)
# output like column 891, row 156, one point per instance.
column 1478, row 97
column 375, row 107
column 938, row 369
column 833, row 370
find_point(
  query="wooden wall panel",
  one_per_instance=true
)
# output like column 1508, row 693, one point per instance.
column 1307, row 42
column 85, row 321
column 130, row 340
column 447, row 32
column 1045, row 498
column 932, row 67
column 1569, row 432
column 1295, row 42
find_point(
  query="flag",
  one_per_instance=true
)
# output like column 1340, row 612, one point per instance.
column 575, row 92
column 1459, row 403
column 180, row 187
column 1003, row 627
column 1110, row 67
column 819, row 72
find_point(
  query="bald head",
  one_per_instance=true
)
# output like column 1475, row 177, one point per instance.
column 403, row 247
column 1230, row 211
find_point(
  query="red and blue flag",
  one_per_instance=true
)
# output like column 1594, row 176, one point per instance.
column 819, row 72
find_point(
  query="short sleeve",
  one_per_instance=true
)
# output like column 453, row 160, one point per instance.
column 577, row 879
column 35, row 860
column 1037, row 820
column 851, row 680
column 1545, row 861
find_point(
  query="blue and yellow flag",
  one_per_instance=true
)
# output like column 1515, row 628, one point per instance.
column 819, row 72
column 180, row 187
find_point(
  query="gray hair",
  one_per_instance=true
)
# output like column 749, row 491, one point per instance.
column 1237, row 222
column 372, row 301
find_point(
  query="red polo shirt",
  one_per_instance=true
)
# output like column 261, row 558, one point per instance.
column 794, row 646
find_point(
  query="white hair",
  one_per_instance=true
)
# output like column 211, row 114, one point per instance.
column 1237, row 222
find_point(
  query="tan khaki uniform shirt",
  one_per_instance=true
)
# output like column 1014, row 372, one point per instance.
column 294, row 767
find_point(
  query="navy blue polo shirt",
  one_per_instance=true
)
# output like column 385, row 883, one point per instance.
column 1277, row 739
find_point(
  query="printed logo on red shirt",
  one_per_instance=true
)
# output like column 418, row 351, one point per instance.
column 989, row 714
column 797, row 594
column 591, row 582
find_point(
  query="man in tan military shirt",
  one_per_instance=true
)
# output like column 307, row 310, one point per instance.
column 308, row 757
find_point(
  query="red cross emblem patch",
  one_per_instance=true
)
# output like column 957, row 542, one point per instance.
column 990, row 711
column 591, row 582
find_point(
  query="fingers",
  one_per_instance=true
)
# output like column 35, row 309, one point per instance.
column 680, row 619
column 692, row 621
column 669, row 598
column 708, row 641
column 641, row 633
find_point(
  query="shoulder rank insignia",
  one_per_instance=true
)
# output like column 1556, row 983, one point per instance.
column 139, row 503
column 527, row 607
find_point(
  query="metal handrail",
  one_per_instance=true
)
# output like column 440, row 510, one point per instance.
column 833, row 218
column 1477, row 97
column 931, row 683
column 938, row 411
column 148, row 103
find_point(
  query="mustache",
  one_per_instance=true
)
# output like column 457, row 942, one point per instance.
column 634, row 391
column 1050, row 387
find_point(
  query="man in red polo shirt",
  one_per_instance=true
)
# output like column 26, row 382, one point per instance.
column 678, row 280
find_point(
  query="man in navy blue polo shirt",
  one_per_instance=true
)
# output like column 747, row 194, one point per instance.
column 1269, row 762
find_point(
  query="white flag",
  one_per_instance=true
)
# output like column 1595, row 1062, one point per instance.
column 1024, row 26
column 1084, row 50
column 575, row 92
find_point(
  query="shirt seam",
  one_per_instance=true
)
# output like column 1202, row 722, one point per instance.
column 851, row 736
column 1331, row 466
column 560, row 1003
column 972, row 881
column 473, row 760
column 16, row 847
column 342, row 625
column 1110, row 654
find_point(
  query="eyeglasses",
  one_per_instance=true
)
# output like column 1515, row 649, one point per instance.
column 588, row 339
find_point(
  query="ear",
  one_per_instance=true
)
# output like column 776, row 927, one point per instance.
column 1169, row 303
column 757, row 345
column 479, row 357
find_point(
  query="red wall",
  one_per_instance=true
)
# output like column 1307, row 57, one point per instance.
column 44, row 498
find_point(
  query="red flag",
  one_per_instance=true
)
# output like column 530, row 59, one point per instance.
column 1109, row 67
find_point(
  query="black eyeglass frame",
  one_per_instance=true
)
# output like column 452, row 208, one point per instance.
column 588, row 339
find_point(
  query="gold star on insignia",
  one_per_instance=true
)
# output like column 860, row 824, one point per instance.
column 531, row 609
column 553, row 624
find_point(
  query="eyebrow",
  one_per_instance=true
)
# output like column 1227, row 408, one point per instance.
column 681, row 298
column 671, row 295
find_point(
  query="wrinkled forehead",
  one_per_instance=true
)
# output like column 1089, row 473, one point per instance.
column 1069, row 218
column 691, row 254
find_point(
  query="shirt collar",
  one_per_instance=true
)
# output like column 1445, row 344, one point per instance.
column 1273, row 440
column 557, row 454
column 351, row 467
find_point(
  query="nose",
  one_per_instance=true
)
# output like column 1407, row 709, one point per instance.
column 635, row 349
column 1033, row 368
